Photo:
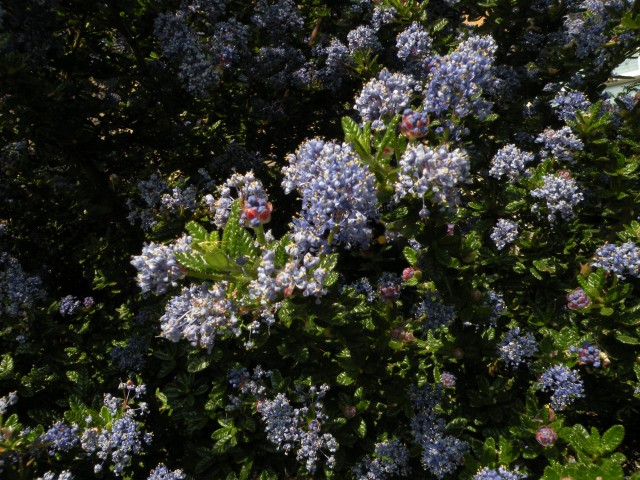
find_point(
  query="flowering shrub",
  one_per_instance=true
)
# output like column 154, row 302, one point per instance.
column 318, row 240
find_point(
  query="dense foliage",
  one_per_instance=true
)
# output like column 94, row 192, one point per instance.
column 318, row 239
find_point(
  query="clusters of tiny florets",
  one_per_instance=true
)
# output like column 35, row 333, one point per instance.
column 279, row 18
column 7, row 401
column 390, row 459
column 389, row 287
column 578, row 299
column 414, row 47
column 565, row 385
column 561, row 194
column 499, row 473
column 200, row 314
column 247, row 384
column 441, row 454
column 495, row 301
column 161, row 472
column 363, row 38
column 515, row 348
column 559, row 144
column 158, row 268
column 504, row 233
column 384, row 96
column 338, row 192
column 69, row 306
column 432, row 312
column 567, row 104
column 18, row 292
column 63, row 475
column 448, row 380
column 436, row 173
column 509, row 161
column 61, row 437
column 246, row 187
column 620, row 259
column 290, row 429
column 456, row 81
column 124, row 438
column 587, row 354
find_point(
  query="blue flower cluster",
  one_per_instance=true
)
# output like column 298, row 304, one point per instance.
column 61, row 437
column 620, row 259
column 414, row 48
column 244, row 186
column 499, row 473
column 299, row 429
column 157, row 266
column 587, row 354
column 560, row 193
column 131, row 356
column 434, row 173
column 63, row 475
column 433, row 313
column 565, row 385
column 247, row 384
column 363, row 38
column 495, row 301
column 200, row 314
column 441, row 454
column 69, row 306
column 514, row 347
column 509, row 161
column 390, row 459
column 389, row 287
column 338, row 192
column 7, row 401
column 18, row 292
column 385, row 96
column 567, row 104
column 280, row 18
column 559, row 144
column 456, row 81
column 448, row 380
column 578, row 299
column 336, row 60
column 161, row 472
column 504, row 233
column 123, row 438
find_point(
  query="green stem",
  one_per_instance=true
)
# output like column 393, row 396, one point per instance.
column 219, row 277
column 260, row 234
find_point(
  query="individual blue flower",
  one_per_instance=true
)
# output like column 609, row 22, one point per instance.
column 515, row 348
column 504, row 233
column 384, row 96
column 509, row 161
column 565, row 386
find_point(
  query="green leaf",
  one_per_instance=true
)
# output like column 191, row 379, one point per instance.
column 344, row 379
column 194, row 262
column 197, row 232
column 6, row 366
column 230, row 234
column 411, row 255
column 217, row 260
column 611, row 439
column 362, row 428
column 627, row 339
column 245, row 471
column 197, row 364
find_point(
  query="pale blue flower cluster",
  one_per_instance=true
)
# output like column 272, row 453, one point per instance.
column 63, row 475
column 588, row 354
column 161, row 472
column 278, row 19
column 200, row 314
column 565, row 385
column 567, row 104
column 123, row 438
column 500, row 473
column 620, row 259
column 433, row 173
column 509, row 161
column 561, row 195
column 338, row 192
column 504, row 233
column 515, row 348
column 559, row 144
column 69, row 306
column 385, row 96
column 19, row 293
column 456, row 81
column 390, row 459
column 441, row 454
column 414, row 48
column 433, row 313
column 239, row 185
column 496, row 302
column 7, row 401
column 363, row 38
column 157, row 266
column 61, row 437
column 288, row 428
